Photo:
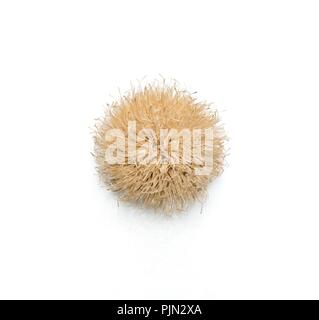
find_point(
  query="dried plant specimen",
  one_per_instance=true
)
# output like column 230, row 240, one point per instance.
column 159, row 147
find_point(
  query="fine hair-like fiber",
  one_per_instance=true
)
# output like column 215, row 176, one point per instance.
column 167, row 187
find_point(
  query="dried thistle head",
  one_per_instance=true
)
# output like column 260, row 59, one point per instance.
column 159, row 147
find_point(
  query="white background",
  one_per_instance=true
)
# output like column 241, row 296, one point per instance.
column 63, row 236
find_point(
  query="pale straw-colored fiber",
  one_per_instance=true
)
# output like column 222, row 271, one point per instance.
column 167, row 187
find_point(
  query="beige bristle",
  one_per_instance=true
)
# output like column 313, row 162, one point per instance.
column 167, row 187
